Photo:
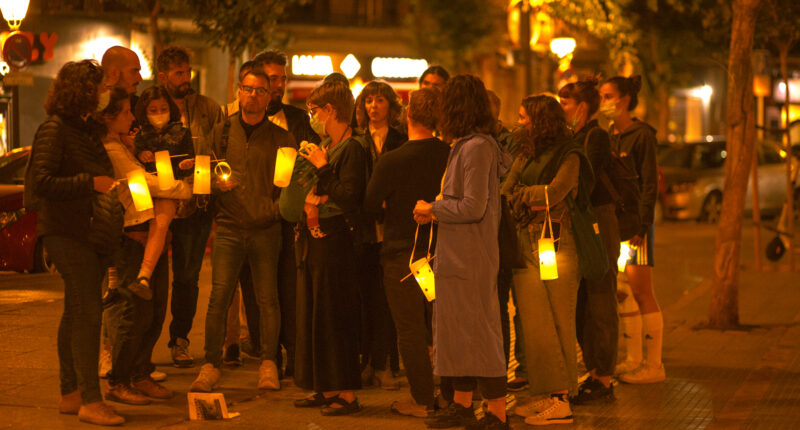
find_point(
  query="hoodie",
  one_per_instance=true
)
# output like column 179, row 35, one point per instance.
column 636, row 147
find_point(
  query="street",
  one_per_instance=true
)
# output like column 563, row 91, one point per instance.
column 732, row 379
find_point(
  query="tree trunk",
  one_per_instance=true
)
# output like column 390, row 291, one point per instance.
column 155, row 33
column 724, row 310
column 231, row 76
column 784, row 54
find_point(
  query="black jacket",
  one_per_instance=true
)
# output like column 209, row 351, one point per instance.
column 299, row 125
column 67, row 154
column 636, row 146
column 598, row 149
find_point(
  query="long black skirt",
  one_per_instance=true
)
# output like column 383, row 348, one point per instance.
column 328, row 310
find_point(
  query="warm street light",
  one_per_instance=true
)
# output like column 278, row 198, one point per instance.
column 14, row 12
column 562, row 46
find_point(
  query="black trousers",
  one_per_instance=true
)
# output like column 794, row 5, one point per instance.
column 597, row 322
column 489, row 388
column 378, row 334
column 411, row 313
column 135, row 324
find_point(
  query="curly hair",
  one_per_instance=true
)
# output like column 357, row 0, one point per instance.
column 582, row 91
column 337, row 95
column 465, row 108
column 118, row 96
column 75, row 90
column 171, row 56
column 423, row 107
column 155, row 92
column 627, row 87
column 384, row 90
column 548, row 124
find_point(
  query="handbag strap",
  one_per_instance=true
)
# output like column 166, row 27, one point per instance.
column 547, row 218
column 414, row 249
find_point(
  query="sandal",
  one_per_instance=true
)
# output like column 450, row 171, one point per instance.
column 346, row 408
column 314, row 401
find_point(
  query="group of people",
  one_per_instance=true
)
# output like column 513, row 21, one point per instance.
column 320, row 266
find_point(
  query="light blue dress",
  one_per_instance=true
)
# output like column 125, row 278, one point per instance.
column 467, row 338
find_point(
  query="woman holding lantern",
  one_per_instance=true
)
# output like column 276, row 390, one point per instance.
column 69, row 182
column 330, row 178
column 549, row 170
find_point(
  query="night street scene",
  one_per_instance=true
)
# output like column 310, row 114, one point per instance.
column 400, row 214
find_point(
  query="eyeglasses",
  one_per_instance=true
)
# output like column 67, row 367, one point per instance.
column 312, row 110
column 259, row 91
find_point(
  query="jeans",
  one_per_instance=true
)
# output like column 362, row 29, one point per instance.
column 189, row 239
column 547, row 310
column 260, row 248
column 597, row 321
column 411, row 313
column 135, row 324
column 79, row 331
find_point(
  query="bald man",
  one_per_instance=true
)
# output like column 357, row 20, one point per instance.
column 122, row 68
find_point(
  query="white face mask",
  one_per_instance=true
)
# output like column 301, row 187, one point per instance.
column 609, row 110
column 103, row 99
column 158, row 120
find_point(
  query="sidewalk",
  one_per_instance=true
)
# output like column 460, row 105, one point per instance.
column 715, row 379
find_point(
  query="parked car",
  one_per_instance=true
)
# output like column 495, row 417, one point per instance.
column 20, row 248
column 694, row 177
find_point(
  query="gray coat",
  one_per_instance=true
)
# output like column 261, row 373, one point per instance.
column 467, row 337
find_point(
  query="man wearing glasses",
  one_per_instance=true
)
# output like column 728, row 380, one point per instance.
column 248, row 230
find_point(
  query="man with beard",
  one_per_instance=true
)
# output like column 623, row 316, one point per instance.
column 296, row 122
column 190, row 234
column 248, row 230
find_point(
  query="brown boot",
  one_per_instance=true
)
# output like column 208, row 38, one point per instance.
column 70, row 403
column 152, row 389
column 123, row 393
column 99, row 413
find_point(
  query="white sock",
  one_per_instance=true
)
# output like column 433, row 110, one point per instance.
column 654, row 337
column 113, row 280
column 630, row 321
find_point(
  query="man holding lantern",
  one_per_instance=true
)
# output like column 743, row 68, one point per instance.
column 248, row 229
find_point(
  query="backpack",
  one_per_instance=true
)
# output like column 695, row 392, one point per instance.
column 622, row 183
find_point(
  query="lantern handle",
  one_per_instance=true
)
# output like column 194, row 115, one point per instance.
column 548, row 220
column 414, row 248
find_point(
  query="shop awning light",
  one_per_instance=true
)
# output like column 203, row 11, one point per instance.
column 312, row 65
column 562, row 46
column 350, row 66
column 386, row 67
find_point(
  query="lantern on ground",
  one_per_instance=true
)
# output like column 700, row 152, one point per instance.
column 202, row 174
column 137, row 184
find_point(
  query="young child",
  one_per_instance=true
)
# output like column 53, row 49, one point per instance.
column 161, row 130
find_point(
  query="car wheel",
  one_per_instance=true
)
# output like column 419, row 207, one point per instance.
column 712, row 207
column 42, row 261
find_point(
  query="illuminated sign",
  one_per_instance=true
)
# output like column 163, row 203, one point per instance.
column 312, row 65
column 350, row 66
column 384, row 67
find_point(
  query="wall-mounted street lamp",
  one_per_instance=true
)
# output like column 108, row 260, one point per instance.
column 563, row 47
column 14, row 12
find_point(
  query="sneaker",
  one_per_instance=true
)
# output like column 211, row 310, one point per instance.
column 123, row 393
column 489, row 422
column 454, row 415
column 247, row 348
column 645, row 374
column 70, row 403
column 207, row 379
column 268, row 376
column 559, row 412
column 410, row 408
column 99, row 413
column 517, row 384
column 593, row 391
column 104, row 365
column 232, row 356
column 158, row 376
column 536, row 405
column 152, row 389
column 627, row 366
column 180, row 353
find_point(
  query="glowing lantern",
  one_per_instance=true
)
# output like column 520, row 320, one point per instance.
column 202, row 175
column 547, row 250
column 421, row 269
column 624, row 255
column 139, row 191
column 223, row 170
column 166, row 178
column 284, row 165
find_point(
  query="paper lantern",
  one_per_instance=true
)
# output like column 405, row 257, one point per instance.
column 223, row 170
column 202, row 175
column 547, row 250
column 139, row 191
column 624, row 255
column 284, row 165
column 166, row 179
column 421, row 269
